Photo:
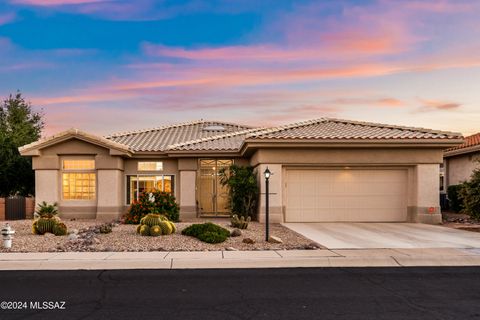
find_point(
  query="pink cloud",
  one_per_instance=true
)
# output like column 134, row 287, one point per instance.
column 7, row 18
column 45, row 3
column 437, row 105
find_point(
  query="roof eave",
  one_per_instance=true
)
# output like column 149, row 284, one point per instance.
column 350, row 143
column 462, row 151
column 115, row 148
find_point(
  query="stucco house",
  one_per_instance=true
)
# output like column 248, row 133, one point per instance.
column 323, row 169
column 460, row 161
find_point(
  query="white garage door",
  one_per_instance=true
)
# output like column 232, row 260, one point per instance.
column 346, row 195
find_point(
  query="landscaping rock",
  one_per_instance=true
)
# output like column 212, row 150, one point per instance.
column 248, row 240
column 230, row 249
column 72, row 236
column 273, row 239
column 236, row 233
column 73, row 231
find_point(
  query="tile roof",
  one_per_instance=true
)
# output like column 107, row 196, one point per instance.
column 336, row 129
column 470, row 141
column 158, row 139
column 224, row 142
column 316, row 129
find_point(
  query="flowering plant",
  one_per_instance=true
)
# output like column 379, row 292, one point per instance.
column 152, row 202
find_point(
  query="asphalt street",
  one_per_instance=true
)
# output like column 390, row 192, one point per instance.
column 329, row 293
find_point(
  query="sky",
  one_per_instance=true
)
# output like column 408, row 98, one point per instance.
column 105, row 66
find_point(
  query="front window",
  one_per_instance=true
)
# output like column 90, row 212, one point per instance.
column 138, row 184
column 78, row 180
column 150, row 166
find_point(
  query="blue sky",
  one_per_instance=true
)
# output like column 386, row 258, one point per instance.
column 110, row 65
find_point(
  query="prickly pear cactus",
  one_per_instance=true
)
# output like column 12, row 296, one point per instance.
column 166, row 227
column 155, row 231
column 60, row 229
column 145, row 230
column 45, row 225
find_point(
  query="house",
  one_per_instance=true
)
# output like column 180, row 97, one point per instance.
column 323, row 169
column 460, row 161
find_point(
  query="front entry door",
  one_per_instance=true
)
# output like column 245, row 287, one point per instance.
column 212, row 196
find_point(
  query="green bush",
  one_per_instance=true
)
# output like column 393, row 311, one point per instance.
column 207, row 232
column 242, row 189
column 164, row 203
column 470, row 195
column 454, row 201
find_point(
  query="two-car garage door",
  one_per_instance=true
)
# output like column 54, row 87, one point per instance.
column 345, row 195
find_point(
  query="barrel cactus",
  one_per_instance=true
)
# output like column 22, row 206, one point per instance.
column 34, row 228
column 45, row 225
column 145, row 230
column 166, row 227
column 174, row 228
column 155, row 231
column 59, row 229
column 138, row 228
column 151, row 219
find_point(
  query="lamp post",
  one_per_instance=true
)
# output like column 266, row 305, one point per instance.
column 267, row 175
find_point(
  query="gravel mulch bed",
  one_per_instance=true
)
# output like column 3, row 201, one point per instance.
column 460, row 221
column 124, row 238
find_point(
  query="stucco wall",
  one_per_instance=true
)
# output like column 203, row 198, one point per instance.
column 460, row 168
column 108, row 202
column 364, row 156
column 422, row 166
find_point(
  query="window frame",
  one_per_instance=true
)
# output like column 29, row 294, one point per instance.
column 127, row 187
column 78, row 171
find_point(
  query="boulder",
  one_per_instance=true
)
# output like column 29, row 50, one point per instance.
column 273, row 239
column 248, row 240
column 236, row 233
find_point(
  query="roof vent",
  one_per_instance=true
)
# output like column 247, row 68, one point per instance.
column 214, row 128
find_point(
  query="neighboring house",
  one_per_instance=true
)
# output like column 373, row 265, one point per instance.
column 323, row 169
column 460, row 161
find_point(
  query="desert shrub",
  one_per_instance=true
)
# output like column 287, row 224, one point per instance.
column 207, row 232
column 46, row 210
column 454, row 201
column 163, row 203
column 242, row 189
column 470, row 195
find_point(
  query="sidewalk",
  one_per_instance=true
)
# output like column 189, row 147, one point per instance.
column 240, row 259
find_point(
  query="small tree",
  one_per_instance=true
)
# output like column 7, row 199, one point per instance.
column 470, row 195
column 242, row 189
column 19, row 125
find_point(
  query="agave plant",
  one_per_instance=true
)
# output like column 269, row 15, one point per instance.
column 46, row 210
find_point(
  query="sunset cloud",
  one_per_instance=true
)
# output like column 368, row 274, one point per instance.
column 152, row 61
column 436, row 105
column 47, row 3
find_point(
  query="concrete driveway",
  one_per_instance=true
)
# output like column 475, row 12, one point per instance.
column 385, row 235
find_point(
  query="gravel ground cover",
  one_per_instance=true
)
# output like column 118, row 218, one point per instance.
column 124, row 238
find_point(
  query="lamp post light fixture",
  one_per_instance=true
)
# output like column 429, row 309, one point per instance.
column 267, row 175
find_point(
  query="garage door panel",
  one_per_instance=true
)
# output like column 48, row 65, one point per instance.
column 346, row 195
